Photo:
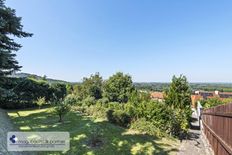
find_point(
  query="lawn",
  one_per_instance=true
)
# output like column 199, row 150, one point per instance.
column 116, row 140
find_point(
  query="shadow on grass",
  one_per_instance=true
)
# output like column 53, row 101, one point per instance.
column 116, row 140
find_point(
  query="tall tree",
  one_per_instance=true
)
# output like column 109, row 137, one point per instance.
column 10, row 26
column 118, row 88
column 179, row 94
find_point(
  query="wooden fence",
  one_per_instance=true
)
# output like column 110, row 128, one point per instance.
column 217, row 126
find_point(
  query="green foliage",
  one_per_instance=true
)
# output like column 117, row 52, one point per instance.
column 92, row 86
column 178, row 98
column 69, row 88
column 96, row 111
column 147, row 127
column 118, row 88
column 24, row 92
column 89, row 101
column 115, row 106
column 179, row 123
column 179, row 94
column 41, row 101
column 227, row 100
column 211, row 102
column 61, row 109
column 118, row 117
column 77, row 91
column 71, row 99
column 59, row 91
column 10, row 28
column 103, row 101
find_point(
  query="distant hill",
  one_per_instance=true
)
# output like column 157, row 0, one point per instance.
column 158, row 86
column 26, row 75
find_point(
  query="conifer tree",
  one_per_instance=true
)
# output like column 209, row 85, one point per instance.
column 10, row 27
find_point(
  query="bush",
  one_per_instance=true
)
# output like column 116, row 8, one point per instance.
column 146, row 127
column 161, row 116
column 103, row 101
column 119, row 117
column 41, row 101
column 71, row 99
column 89, row 101
column 96, row 111
column 24, row 92
column 115, row 106
column 211, row 102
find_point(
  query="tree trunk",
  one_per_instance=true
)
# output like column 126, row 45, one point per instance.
column 61, row 118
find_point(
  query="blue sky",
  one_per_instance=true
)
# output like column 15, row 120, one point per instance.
column 151, row 40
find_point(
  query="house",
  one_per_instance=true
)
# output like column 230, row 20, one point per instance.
column 203, row 95
column 159, row 96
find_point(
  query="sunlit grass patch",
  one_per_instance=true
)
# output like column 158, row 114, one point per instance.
column 115, row 140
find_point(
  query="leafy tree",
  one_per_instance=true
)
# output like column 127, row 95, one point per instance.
column 92, row 86
column 178, row 98
column 118, row 88
column 10, row 25
column 77, row 91
column 179, row 94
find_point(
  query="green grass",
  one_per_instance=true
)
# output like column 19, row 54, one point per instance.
column 116, row 140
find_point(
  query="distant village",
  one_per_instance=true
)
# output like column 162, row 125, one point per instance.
column 196, row 96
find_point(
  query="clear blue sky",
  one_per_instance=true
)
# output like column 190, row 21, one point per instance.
column 151, row 40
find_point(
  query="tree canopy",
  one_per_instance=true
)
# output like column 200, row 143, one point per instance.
column 118, row 87
column 179, row 94
column 92, row 86
column 10, row 26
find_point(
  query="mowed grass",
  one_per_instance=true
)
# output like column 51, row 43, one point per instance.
column 116, row 140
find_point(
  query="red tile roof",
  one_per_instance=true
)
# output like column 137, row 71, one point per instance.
column 157, row 95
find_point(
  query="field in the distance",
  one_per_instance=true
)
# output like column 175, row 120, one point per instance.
column 116, row 140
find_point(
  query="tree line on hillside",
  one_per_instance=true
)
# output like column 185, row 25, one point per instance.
column 155, row 86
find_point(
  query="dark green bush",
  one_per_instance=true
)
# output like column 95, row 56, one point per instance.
column 119, row 117
column 18, row 93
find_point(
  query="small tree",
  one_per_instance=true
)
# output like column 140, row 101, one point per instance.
column 40, row 101
column 61, row 109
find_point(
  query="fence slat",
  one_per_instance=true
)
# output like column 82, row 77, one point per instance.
column 217, row 123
